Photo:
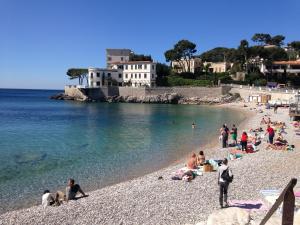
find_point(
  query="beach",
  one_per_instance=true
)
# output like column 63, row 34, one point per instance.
column 149, row 200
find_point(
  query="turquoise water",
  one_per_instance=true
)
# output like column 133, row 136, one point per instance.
column 43, row 142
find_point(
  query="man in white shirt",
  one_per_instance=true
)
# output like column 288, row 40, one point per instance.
column 225, row 176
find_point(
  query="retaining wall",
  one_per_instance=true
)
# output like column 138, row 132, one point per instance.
column 188, row 92
column 245, row 93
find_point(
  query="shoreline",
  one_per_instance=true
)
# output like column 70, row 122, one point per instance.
column 181, row 159
column 147, row 200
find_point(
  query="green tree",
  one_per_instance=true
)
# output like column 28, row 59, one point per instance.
column 277, row 40
column 261, row 38
column 206, row 69
column 219, row 54
column 79, row 73
column 243, row 51
column 182, row 53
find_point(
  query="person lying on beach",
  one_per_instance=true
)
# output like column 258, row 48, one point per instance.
column 72, row 189
column 200, row 159
column 276, row 147
column 279, row 141
column 192, row 162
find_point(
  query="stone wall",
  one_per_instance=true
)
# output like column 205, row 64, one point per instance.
column 245, row 93
column 186, row 92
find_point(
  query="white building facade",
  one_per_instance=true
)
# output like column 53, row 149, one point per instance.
column 98, row 77
column 137, row 73
column 132, row 73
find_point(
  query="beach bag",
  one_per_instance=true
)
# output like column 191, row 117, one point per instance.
column 225, row 176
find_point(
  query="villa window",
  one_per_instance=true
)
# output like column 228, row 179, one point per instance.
column 135, row 76
column 98, row 74
column 108, row 75
column 152, row 76
column 131, row 75
column 121, row 58
column 91, row 75
column 135, row 66
column 98, row 83
column 132, row 67
column 108, row 58
column 120, row 67
column 139, row 76
column 126, row 67
column 145, row 66
column 153, row 67
column 120, row 75
column 145, row 76
column 140, row 66
column 126, row 75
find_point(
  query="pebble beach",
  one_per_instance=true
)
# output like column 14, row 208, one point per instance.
column 149, row 200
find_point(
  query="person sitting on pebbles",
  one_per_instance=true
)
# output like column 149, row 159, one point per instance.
column 72, row 189
column 192, row 162
column 201, row 159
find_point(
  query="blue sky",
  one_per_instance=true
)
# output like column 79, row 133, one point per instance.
column 40, row 40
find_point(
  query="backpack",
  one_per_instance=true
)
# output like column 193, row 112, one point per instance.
column 225, row 176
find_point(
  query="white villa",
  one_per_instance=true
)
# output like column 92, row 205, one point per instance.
column 123, row 72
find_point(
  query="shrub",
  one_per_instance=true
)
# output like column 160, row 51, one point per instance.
column 179, row 81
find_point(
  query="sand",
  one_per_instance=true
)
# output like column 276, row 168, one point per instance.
column 148, row 200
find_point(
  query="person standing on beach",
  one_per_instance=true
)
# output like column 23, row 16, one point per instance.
column 234, row 134
column 275, row 108
column 227, row 134
column 224, row 136
column 271, row 133
column 244, row 140
column 225, row 177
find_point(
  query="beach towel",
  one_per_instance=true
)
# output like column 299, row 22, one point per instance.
column 297, row 194
column 270, row 192
column 250, row 205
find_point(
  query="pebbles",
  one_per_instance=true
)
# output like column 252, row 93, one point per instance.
column 147, row 200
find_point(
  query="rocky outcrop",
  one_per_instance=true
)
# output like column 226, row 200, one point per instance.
column 63, row 96
column 172, row 98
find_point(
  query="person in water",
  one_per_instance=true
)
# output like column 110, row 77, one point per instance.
column 193, row 125
column 72, row 189
column 192, row 162
column 200, row 158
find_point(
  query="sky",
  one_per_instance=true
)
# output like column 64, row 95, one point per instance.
column 41, row 39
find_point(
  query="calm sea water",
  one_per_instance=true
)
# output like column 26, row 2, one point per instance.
column 43, row 142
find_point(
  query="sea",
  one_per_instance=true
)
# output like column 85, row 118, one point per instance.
column 44, row 142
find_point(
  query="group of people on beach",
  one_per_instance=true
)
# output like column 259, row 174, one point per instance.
column 196, row 160
column 224, row 131
column 57, row 198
